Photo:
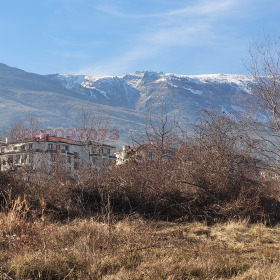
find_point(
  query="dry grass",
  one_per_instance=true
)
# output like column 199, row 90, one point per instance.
column 136, row 249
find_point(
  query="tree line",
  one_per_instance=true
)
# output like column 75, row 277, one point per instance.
column 215, row 171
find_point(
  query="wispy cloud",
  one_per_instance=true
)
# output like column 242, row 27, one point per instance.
column 188, row 26
column 200, row 8
column 108, row 9
column 120, row 64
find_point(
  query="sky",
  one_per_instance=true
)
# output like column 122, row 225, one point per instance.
column 116, row 37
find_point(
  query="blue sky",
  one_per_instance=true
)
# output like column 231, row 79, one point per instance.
column 109, row 37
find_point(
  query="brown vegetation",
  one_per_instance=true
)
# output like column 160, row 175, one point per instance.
column 132, row 221
column 113, row 224
column 134, row 249
column 211, row 176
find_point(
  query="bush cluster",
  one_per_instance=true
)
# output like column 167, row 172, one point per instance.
column 195, row 184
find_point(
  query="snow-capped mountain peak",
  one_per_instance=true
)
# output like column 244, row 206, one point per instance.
column 137, row 90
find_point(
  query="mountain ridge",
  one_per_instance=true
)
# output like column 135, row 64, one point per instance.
column 138, row 85
column 57, row 99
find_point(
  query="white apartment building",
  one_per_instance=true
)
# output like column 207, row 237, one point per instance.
column 35, row 153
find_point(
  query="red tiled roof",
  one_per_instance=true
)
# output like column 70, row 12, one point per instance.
column 57, row 140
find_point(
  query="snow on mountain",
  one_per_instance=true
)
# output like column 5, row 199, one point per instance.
column 141, row 78
column 107, row 90
column 139, row 89
column 70, row 80
column 58, row 99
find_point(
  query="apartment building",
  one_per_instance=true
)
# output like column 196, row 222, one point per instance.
column 36, row 153
column 144, row 152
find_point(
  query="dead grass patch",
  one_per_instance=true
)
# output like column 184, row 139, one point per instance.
column 138, row 249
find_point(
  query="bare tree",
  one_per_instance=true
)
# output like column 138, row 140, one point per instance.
column 161, row 134
column 264, row 100
column 160, row 127
column 33, row 122
column 93, row 130
column 89, row 120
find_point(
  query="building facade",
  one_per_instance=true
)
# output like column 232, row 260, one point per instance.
column 144, row 152
column 45, row 152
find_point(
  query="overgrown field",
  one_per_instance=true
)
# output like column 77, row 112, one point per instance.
column 134, row 248
column 200, row 209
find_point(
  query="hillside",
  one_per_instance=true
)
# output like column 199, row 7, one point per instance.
column 57, row 99
column 140, row 89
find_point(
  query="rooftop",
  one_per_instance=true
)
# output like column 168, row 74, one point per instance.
column 53, row 139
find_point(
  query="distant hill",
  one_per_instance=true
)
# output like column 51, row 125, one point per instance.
column 57, row 99
column 140, row 89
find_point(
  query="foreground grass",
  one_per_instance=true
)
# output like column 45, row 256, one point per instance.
column 137, row 249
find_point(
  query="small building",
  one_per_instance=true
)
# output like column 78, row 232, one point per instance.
column 271, row 173
column 37, row 152
column 144, row 152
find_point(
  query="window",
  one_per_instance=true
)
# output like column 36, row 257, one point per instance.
column 23, row 158
column 30, row 146
column 30, row 159
column 66, row 148
column 50, row 146
column 10, row 160
column 22, row 147
column 16, row 160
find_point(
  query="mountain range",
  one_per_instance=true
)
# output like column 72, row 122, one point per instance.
column 57, row 100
